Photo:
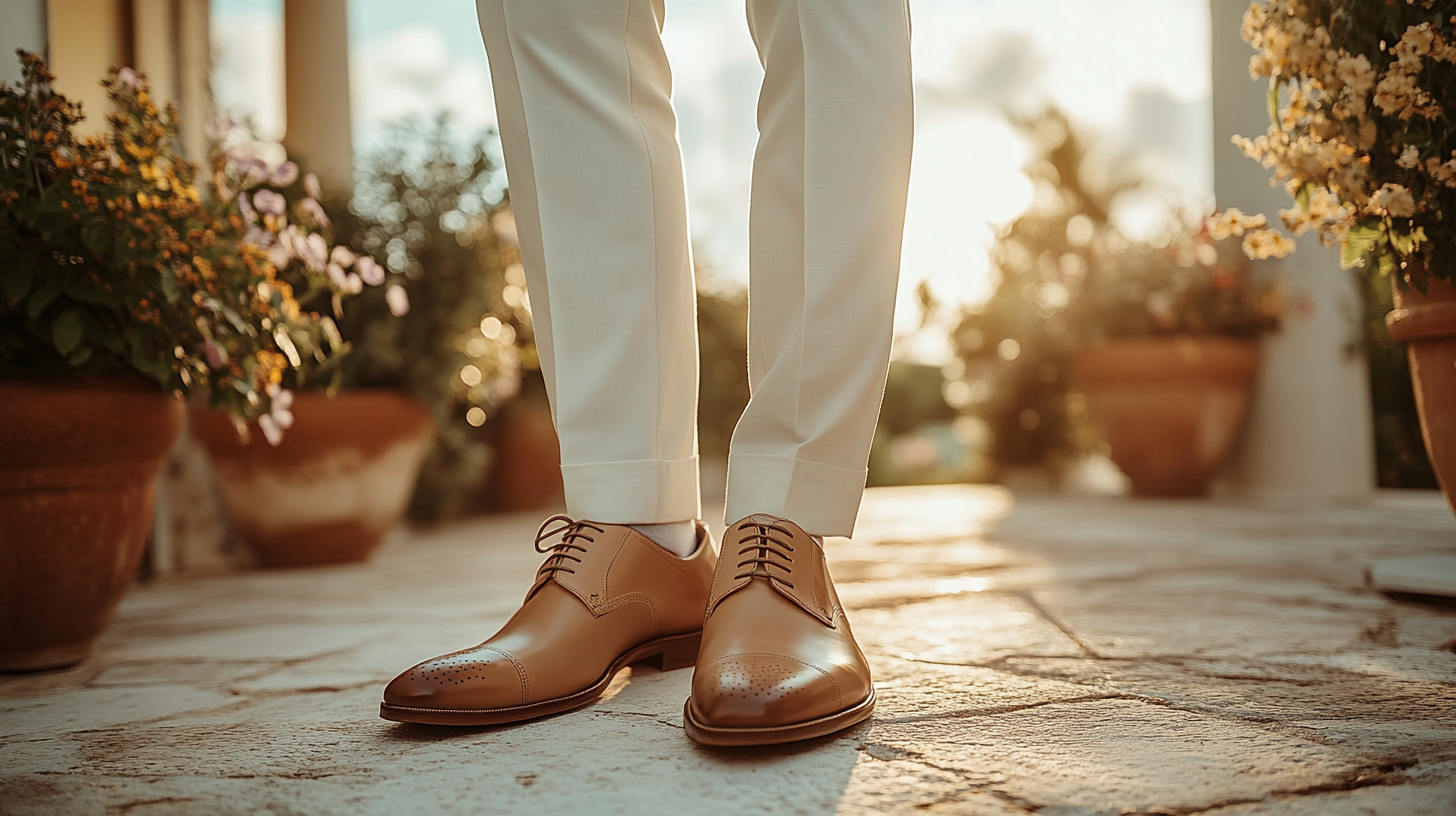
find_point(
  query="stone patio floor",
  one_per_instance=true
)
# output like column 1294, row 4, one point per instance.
column 1050, row 655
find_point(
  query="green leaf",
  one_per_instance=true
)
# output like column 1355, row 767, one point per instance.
column 15, row 280
column 169, row 284
column 1360, row 241
column 66, row 332
column 87, row 292
column 42, row 298
column 1274, row 102
column 81, row 356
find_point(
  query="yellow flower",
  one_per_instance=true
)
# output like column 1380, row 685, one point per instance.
column 1265, row 243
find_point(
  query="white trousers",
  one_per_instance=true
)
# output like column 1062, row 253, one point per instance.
column 583, row 96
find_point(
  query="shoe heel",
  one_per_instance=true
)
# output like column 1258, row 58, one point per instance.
column 681, row 654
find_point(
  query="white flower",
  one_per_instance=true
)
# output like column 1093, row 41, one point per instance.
column 342, row 256
column 1394, row 200
column 1266, row 243
column 270, row 429
column 354, row 285
column 129, row 78
column 1410, row 159
column 281, row 409
column 397, row 299
column 311, row 186
column 370, row 270
column 336, row 274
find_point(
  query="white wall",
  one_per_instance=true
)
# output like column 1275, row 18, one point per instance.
column 1309, row 431
column 22, row 25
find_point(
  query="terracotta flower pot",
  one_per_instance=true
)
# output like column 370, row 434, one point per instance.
column 1169, row 407
column 525, row 471
column 339, row 481
column 78, row 468
column 1427, row 323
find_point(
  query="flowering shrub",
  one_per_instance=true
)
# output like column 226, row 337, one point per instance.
column 115, row 264
column 435, row 209
column 1362, row 137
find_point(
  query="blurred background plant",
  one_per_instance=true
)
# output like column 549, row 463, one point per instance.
column 1067, row 278
column 117, row 265
column 457, row 333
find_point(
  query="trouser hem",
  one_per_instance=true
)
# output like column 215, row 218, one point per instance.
column 645, row 491
column 823, row 499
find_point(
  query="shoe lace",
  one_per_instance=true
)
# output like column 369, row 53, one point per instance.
column 558, row 554
column 764, row 551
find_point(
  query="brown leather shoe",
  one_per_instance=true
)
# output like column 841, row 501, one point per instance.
column 778, row 662
column 606, row 597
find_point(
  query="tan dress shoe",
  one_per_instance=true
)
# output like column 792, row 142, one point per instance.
column 778, row 661
column 606, row 597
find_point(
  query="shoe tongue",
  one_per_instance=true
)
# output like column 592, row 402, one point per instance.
column 764, row 518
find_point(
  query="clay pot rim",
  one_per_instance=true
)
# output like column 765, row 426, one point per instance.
column 1418, row 316
column 1126, row 359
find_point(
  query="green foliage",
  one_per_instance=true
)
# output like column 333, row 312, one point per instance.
column 723, row 365
column 437, row 212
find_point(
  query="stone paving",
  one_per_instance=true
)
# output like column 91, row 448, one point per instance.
column 1049, row 655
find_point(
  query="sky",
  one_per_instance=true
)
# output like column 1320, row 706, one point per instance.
column 1136, row 71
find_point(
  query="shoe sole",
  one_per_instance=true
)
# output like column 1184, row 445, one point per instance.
column 775, row 735
column 667, row 654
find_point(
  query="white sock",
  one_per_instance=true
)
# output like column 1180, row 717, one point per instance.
column 677, row 537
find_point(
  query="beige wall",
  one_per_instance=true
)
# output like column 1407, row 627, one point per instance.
column 86, row 38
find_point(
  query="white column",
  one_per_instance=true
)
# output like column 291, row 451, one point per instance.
column 22, row 25
column 316, row 71
column 1309, row 431
column 194, row 86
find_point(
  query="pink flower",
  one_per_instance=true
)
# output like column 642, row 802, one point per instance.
column 311, row 186
column 219, row 126
column 269, row 202
column 355, row 284
column 129, row 78
column 314, row 251
column 397, row 299
column 342, row 256
column 284, row 175
column 217, row 356
column 336, row 274
column 370, row 270
column 315, row 211
column 249, row 214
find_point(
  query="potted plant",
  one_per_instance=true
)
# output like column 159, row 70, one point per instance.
column 1093, row 341
column 121, row 288
column 1363, row 137
column 329, row 490
column 1167, row 354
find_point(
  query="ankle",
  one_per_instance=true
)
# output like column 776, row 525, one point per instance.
column 677, row 537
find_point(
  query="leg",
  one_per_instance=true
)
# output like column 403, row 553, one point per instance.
column 582, row 92
column 778, row 661
column 829, row 184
